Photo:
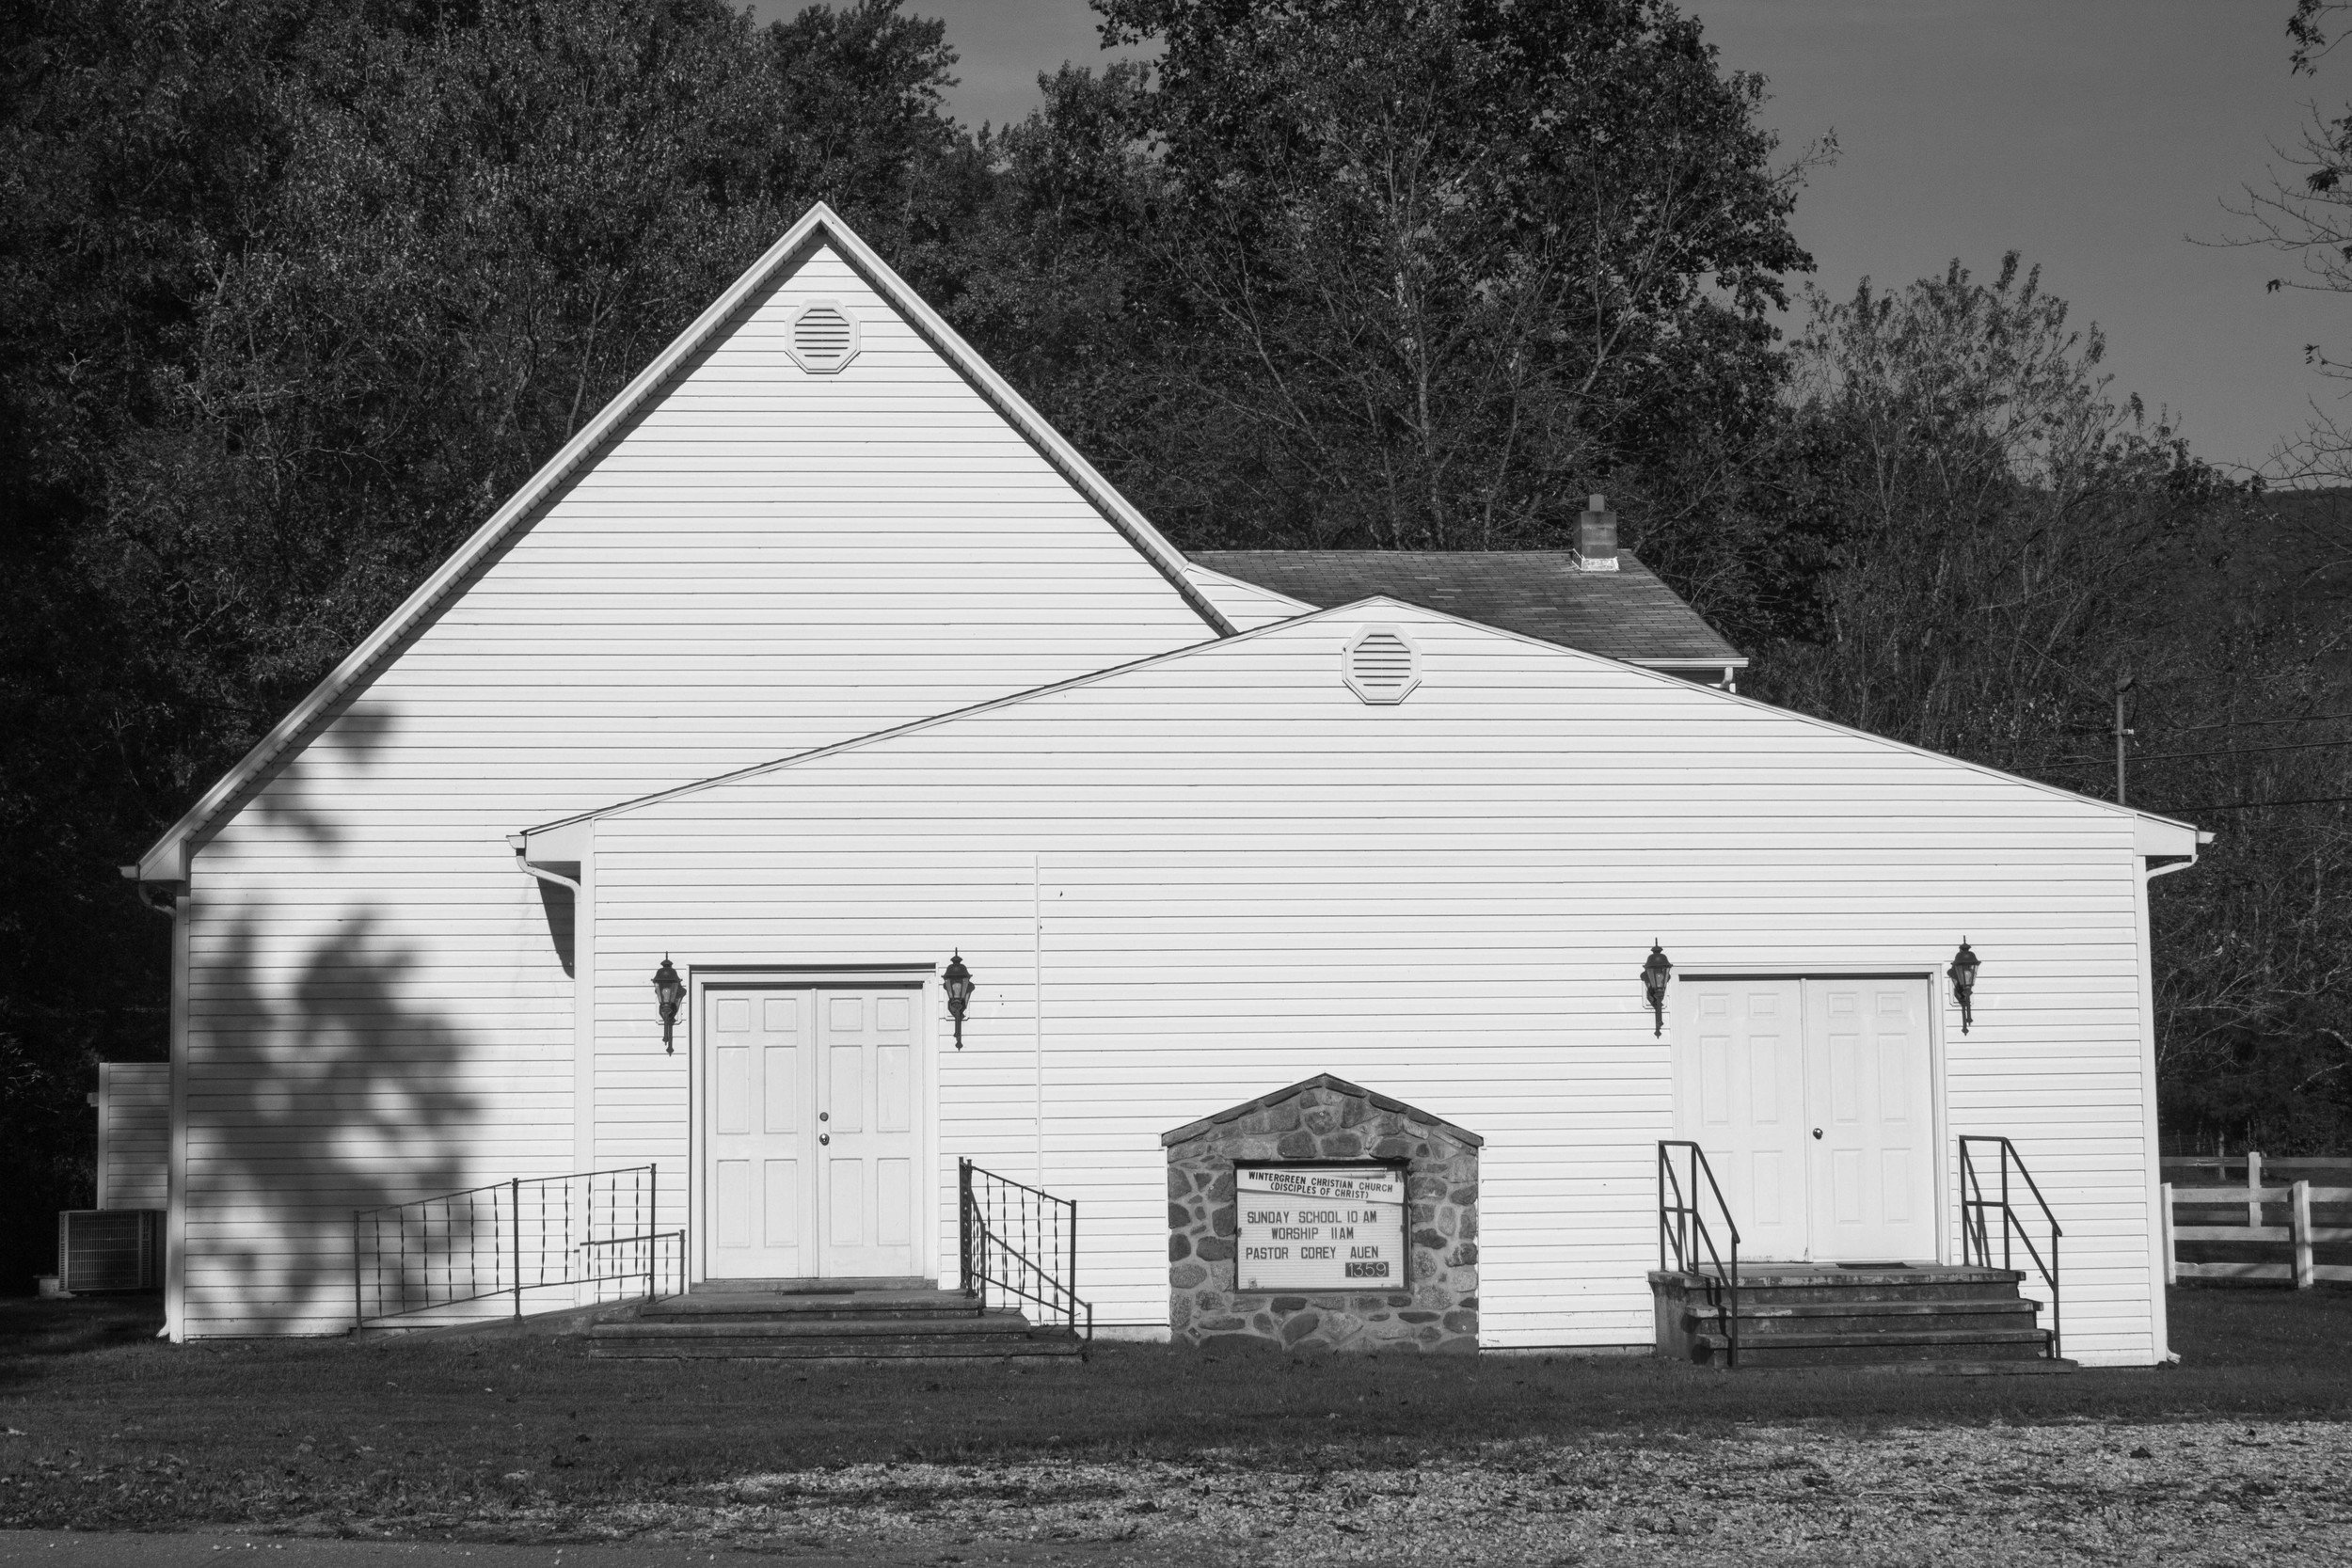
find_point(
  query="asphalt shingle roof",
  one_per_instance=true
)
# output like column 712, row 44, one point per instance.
column 1626, row 614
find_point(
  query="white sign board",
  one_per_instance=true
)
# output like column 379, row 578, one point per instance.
column 1320, row 1228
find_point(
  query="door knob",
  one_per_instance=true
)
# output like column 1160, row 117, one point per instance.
column 1817, row 1131
column 827, row 1137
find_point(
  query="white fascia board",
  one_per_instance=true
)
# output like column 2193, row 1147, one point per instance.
column 1736, row 662
column 565, row 844
column 2161, row 836
column 1377, row 606
column 168, row 860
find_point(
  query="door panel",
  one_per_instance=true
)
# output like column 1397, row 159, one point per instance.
column 731, row 1203
column 845, row 1218
column 781, row 1203
column 894, row 1089
column 1742, row 1098
column 780, row 1088
column 894, row 1194
column 845, row 1089
column 1867, row 1056
column 870, row 1108
column 757, row 1082
column 732, row 1084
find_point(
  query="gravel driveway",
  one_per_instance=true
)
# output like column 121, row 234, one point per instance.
column 2184, row 1496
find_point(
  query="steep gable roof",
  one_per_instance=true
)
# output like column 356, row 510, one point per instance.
column 167, row 859
column 1627, row 614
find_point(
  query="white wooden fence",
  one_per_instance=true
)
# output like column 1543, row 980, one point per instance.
column 2297, row 1236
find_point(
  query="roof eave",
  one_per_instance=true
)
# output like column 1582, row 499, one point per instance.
column 1380, row 601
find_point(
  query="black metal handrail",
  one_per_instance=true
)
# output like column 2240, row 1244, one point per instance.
column 1682, row 1227
column 591, row 1228
column 1976, row 1240
column 1022, row 1243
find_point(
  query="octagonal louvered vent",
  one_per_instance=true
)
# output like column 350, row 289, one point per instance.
column 824, row 337
column 1380, row 666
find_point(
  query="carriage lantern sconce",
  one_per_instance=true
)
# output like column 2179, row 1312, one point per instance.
column 957, row 980
column 668, row 992
column 1964, row 978
column 1656, row 969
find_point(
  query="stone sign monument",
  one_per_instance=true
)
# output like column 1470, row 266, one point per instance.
column 1324, row 1216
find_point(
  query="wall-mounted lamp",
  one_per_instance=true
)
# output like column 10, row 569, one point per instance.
column 1655, row 970
column 958, row 979
column 1964, row 978
column 668, row 992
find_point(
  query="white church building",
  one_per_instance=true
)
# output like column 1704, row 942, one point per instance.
column 817, row 662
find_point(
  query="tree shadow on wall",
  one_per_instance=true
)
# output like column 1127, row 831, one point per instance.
column 332, row 1092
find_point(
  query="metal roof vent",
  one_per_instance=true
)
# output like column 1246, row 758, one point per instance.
column 824, row 337
column 1380, row 666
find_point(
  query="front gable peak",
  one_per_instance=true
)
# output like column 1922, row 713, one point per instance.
column 826, row 341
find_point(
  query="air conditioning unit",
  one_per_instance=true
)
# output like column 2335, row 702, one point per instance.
column 110, row 1249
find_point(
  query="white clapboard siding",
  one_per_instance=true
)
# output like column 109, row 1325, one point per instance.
column 761, row 562
column 133, row 1134
column 1219, row 873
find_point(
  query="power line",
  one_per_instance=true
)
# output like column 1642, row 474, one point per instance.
column 2243, row 751
column 2231, row 752
column 2232, row 724
column 2245, row 806
column 2102, row 730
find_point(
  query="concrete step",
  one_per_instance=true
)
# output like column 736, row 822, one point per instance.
column 1851, row 1350
column 2039, row 1365
column 901, row 1284
column 893, row 1322
column 1868, row 1318
column 927, row 1347
column 1923, row 1359
column 1887, row 1340
column 1849, row 1276
column 1791, row 1284
column 991, row 1324
column 908, row 1305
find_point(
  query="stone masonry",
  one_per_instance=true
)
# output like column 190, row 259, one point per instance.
column 1324, row 1118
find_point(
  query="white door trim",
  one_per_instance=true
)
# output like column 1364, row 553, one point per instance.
column 1947, row 1158
column 701, row 979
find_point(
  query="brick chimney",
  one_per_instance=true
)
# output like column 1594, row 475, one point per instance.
column 1597, row 536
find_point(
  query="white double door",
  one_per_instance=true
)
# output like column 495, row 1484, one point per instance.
column 812, row 1119
column 1814, row 1102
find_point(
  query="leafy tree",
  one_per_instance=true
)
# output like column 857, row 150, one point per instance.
column 2006, row 544
column 2304, row 211
column 293, row 292
column 1352, row 272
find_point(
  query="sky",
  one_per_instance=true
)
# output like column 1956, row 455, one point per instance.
column 2099, row 138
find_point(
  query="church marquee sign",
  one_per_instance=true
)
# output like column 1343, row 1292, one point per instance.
column 1320, row 1226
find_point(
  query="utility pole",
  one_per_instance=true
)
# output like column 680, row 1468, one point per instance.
column 2122, row 684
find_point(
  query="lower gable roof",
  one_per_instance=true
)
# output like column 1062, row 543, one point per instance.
column 567, row 838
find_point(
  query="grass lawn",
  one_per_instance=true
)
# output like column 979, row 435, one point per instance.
column 108, row 1427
